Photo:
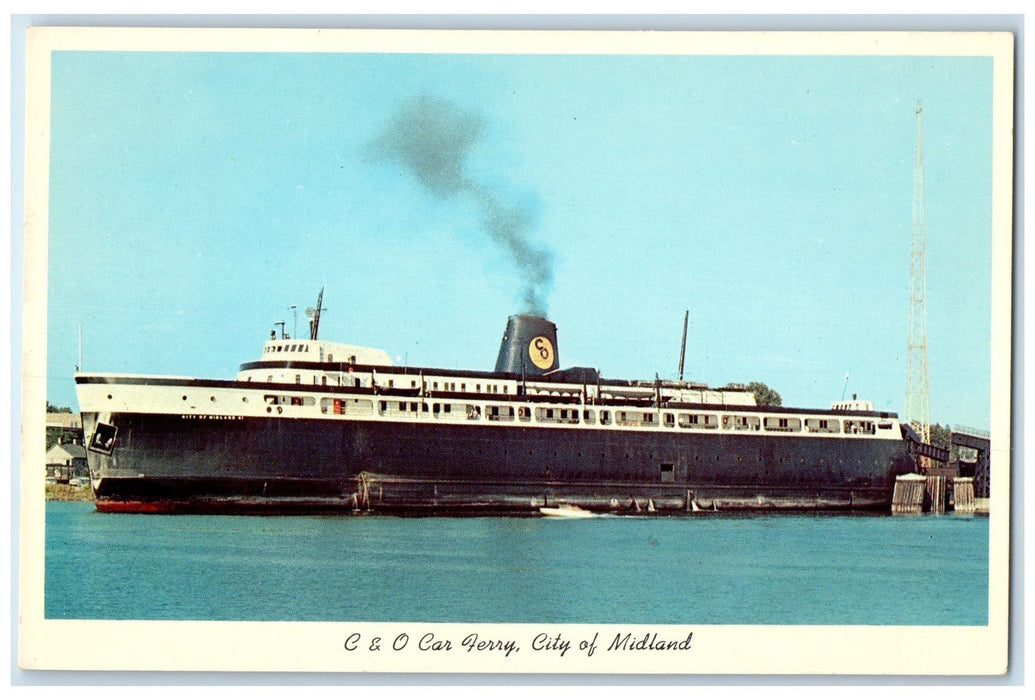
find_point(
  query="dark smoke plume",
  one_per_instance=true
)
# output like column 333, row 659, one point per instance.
column 432, row 139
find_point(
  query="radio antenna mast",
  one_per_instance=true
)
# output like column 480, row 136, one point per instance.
column 918, row 391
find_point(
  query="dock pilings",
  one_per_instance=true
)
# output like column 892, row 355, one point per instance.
column 908, row 497
column 933, row 493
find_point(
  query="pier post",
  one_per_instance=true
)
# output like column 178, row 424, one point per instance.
column 963, row 490
column 935, row 493
column 908, row 496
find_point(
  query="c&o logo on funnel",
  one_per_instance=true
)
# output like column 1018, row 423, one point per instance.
column 540, row 350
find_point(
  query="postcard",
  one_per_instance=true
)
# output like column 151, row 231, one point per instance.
column 520, row 352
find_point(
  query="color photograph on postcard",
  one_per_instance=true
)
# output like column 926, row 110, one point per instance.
column 508, row 346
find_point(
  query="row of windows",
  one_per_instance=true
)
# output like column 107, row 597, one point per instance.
column 390, row 383
column 359, row 407
column 572, row 416
column 626, row 418
column 452, row 386
column 557, row 415
column 287, row 347
column 448, row 411
column 275, row 400
column 864, row 427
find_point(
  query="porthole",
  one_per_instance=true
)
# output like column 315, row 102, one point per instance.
column 109, row 396
column 212, row 398
column 184, row 398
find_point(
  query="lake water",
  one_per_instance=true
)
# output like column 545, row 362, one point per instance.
column 703, row 569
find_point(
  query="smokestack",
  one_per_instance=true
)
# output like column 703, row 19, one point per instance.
column 529, row 346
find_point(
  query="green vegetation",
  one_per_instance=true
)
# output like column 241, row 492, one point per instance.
column 764, row 396
column 55, row 434
column 941, row 436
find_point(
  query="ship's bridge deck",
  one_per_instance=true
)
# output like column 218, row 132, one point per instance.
column 290, row 353
column 293, row 349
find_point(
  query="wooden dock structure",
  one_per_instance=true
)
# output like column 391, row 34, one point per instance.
column 908, row 497
column 963, row 495
column 942, row 488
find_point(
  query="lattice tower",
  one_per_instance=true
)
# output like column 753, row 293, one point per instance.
column 918, row 391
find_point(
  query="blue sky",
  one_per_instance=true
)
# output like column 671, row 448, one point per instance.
column 194, row 197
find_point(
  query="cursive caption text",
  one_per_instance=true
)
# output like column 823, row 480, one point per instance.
column 541, row 643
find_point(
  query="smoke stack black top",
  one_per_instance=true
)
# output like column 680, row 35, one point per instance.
column 529, row 346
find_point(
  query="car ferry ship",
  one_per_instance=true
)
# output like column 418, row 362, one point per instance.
column 314, row 426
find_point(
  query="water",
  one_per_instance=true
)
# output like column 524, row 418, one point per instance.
column 710, row 569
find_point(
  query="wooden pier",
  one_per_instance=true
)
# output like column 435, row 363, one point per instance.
column 908, row 497
column 944, row 488
column 963, row 495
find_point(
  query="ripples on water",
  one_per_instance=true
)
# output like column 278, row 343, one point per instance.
column 708, row 569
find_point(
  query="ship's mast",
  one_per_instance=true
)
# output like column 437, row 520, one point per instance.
column 918, row 391
column 682, row 350
column 314, row 316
